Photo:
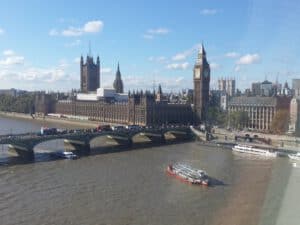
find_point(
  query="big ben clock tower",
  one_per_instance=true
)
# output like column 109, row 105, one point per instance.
column 201, row 86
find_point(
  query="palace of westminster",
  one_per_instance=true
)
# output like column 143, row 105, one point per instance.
column 112, row 105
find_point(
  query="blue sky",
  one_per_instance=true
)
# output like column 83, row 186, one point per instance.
column 154, row 41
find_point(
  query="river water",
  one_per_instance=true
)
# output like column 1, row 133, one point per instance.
column 131, row 187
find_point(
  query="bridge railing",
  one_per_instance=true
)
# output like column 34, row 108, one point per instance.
column 5, row 139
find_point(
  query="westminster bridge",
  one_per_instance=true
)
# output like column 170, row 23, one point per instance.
column 80, row 141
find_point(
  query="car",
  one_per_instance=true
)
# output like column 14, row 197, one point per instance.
column 104, row 128
column 118, row 128
column 132, row 127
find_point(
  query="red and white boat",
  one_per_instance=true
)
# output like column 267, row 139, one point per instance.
column 188, row 174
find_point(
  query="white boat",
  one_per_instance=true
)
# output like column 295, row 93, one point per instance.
column 294, row 156
column 66, row 155
column 254, row 150
column 188, row 174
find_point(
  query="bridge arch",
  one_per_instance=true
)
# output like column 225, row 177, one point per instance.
column 110, row 138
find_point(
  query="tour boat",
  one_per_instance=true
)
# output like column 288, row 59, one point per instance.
column 254, row 150
column 66, row 155
column 294, row 156
column 188, row 174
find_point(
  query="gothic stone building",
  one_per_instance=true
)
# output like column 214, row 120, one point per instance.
column 261, row 110
column 89, row 74
column 201, row 86
column 141, row 109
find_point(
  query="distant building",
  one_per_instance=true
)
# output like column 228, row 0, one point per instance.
column 159, row 94
column 215, row 97
column 111, row 105
column 118, row 83
column 261, row 110
column 103, row 94
column 13, row 92
column 255, row 89
column 8, row 92
column 295, row 115
column 296, row 87
column 140, row 109
column 286, row 90
column 44, row 103
column 227, row 86
column 266, row 88
column 247, row 92
column 224, row 102
column 89, row 74
column 222, row 85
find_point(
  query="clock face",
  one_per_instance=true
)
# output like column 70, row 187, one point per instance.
column 197, row 73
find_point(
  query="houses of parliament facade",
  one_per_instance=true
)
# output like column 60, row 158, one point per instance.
column 140, row 108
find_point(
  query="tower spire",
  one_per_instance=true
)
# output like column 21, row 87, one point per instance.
column 90, row 51
column 118, row 83
column 202, row 50
column 201, row 55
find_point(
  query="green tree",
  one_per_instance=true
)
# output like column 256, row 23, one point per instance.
column 216, row 116
column 238, row 119
column 21, row 104
column 280, row 121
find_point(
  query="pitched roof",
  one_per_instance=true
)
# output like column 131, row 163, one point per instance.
column 253, row 101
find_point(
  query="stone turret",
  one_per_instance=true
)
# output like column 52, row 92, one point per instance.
column 118, row 83
column 89, row 74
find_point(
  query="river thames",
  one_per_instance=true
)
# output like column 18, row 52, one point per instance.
column 131, row 187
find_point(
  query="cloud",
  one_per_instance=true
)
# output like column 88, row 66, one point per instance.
column 214, row 66
column 248, row 59
column 159, row 59
column 148, row 36
column 72, row 32
column 237, row 68
column 209, row 12
column 94, row 26
column 183, row 55
column 146, row 82
column 74, row 43
column 178, row 66
column 106, row 70
column 232, row 55
column 53, row 32
column 63, row 63
column 1, row 31
column 151, row 33
column 36, row 75
column 11, row 58
column 158, row 31
column 179, row 79
column 8, row 52
column 77, row 60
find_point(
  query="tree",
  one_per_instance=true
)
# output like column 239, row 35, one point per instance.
column 280, row 121
column 216, row 116
column 21, row 104
column 237, row 119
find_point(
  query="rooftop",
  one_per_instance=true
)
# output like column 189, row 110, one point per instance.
column 254, row 101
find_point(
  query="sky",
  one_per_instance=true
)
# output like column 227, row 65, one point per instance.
column 155, row 42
